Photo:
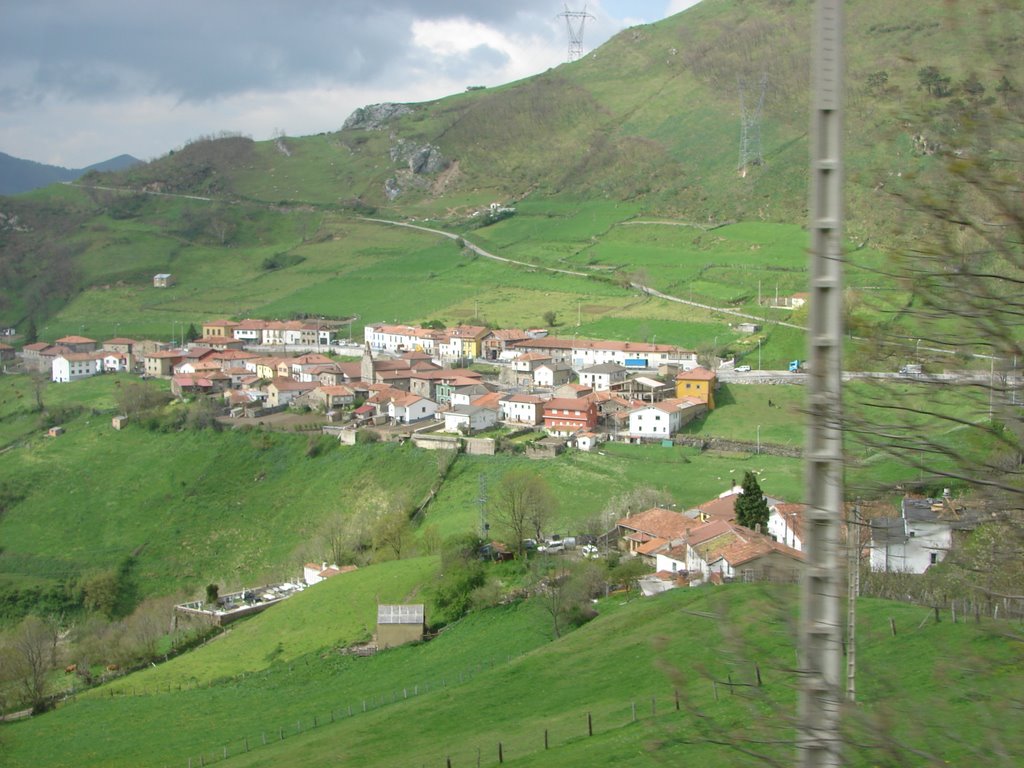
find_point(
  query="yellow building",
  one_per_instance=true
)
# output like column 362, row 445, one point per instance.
column 699, row 383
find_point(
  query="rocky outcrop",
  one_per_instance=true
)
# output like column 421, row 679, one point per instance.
column 374, row 117
column 422, row 159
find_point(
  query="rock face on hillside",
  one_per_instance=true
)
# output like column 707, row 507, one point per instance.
column 373, row 117
column 423, row 159
column 420, row 160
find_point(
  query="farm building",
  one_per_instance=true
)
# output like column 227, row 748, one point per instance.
column 399, row 624
column 163, row 280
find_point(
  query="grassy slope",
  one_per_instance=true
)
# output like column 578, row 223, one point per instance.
column 236, row 507
column 233, row 507
column 493, row 678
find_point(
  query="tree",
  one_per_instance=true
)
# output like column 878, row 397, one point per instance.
column 135, row 399
column 550, row 317
column 29, row 655
column 212, row 594
column 751, row 506
column 192, row 333
column 31, row 333
column 521, row 506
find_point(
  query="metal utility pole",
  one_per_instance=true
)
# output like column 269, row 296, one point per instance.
column 750, row 126
column 481, row 500
column 574, row 23
column 852, row 593
column 819, row 741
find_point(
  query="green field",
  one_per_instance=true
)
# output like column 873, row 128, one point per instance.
column 497, row 677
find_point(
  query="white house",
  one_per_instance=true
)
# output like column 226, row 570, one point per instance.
column 406, row 407
column 72, row 366
column 522, row 409
column 601, row 377
column 786, row 524
column 115, row 362
column 401, row 338
column 657, row 420
column 552, row 374
column 469, row 418
column 672, row 560
column 921, row 537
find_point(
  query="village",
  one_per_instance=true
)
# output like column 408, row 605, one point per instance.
column 425, row 385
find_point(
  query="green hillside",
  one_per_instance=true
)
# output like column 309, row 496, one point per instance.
column 187, row 508
column 644, row 127
column 496, row 677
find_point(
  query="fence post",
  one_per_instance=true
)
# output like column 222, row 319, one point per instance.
column 677, row 699
column 892, row 626
column 634, row 711
column 545, row 739
column 757, row 671
column 590, row 724
column 937, row 619
column 246, row 743
column 714, row 686
column 501, row 755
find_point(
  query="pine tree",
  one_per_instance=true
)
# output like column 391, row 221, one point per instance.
column 31, row 333
column 192, row 334
column 751, row 506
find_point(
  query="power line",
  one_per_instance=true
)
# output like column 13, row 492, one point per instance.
column 574, row 23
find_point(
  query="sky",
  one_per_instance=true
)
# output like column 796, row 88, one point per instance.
column 82, row 81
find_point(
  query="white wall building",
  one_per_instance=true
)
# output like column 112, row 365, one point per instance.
column 73, row 366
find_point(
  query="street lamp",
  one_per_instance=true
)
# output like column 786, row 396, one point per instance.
column 758, row 439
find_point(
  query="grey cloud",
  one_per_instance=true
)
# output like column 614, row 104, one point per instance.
column 202, row 51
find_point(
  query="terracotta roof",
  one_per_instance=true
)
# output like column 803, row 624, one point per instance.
column 793, row 514
column 652, row 546
column 509, row 334
column 120, row 340
column 404, row 399
column 448, row 373
column 534, row 399
column 658, row 522
column 568, row 404
column 285, row 384
column 37, row 346
column 707, row 531
column 490, row 400
column 76, row 340
column 696, row 374
column 339, row 390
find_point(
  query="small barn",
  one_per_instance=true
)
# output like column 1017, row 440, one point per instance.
column 163, row 280
column 399, row 624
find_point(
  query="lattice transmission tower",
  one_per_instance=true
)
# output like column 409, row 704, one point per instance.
column 574, row 23
column 750, row 125
column 481, row 501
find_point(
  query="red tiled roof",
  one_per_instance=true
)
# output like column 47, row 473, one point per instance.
column 696, row 374
column 76, row 340
column 658, row 522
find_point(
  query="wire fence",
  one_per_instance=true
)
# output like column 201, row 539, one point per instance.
column 590, row 722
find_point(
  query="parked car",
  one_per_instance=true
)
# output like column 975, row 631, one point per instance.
column 742, row 369
column 589, row 552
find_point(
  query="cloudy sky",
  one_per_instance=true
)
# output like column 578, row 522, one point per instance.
column 84, row 80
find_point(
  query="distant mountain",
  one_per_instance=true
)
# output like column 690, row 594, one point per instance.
column 17, row 175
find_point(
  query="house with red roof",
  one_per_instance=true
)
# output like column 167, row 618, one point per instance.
column 697, row 382
column 77, row 343
column 565, row 417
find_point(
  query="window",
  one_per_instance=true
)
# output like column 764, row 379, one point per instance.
column 934, row 558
